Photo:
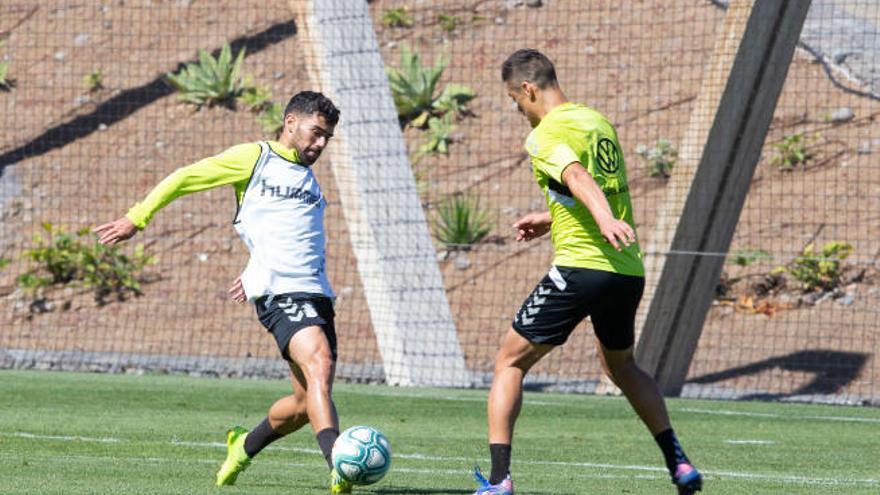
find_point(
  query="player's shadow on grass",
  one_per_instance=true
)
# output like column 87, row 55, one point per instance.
column 832, row 370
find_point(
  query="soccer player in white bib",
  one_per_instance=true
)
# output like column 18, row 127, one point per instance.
column 280, row 218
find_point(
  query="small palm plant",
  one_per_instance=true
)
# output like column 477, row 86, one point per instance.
column 211, row 81
column 461, row 222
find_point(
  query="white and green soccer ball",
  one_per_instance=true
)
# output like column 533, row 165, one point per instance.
column 362, row 455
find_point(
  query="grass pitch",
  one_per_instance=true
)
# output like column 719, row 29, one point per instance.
column 72, row 433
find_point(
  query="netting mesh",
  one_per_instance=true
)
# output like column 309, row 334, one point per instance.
column 76, row 154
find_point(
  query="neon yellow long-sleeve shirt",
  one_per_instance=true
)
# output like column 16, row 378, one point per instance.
column 233, row 166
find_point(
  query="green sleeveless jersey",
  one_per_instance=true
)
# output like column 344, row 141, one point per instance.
column 574, row 133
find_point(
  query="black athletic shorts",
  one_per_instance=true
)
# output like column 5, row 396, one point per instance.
column 285, row 314
column 565, row 296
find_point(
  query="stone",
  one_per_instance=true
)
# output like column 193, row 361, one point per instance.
column 812, row 298
column 842, row 115
column 81, row 39
column 462, row 262
column 60, row 55
column 864, row 148
column 846, row 300
column 839, row 56
column 534, row 3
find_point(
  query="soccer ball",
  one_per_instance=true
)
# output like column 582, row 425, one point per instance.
column 362, row 455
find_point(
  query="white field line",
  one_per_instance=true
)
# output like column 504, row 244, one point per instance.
column 750, row 442
column 527, row 401
column 786, row 417
column 309, row 466
column 795, row 479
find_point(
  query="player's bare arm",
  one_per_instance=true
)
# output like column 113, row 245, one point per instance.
column 532, row 226
column 586, row 190
column 116, row 231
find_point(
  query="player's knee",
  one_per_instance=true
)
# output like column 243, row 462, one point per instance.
column 618, row 362
column 320, row 367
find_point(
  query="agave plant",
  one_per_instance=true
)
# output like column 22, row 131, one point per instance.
column 413, row 87
column 461, row 222
column 211, row 81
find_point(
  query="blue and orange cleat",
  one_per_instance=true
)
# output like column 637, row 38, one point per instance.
column 687, row 479
column 486, row 488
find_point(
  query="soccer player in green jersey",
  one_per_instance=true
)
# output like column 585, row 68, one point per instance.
column 597, row 270
column 280, row 217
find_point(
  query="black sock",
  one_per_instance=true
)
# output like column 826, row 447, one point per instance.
column 672, row 451
column 326, row 438
column 500, row 453
column 258, row 438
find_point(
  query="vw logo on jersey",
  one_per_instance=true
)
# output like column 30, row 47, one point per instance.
column 608, row 156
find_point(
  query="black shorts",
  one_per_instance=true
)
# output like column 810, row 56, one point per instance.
column 565, row 296
column 286, row 314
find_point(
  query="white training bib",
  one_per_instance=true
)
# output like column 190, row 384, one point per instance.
column 281, row 220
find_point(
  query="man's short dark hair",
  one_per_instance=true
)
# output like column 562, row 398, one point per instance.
column 529, row 65
column 309, row 102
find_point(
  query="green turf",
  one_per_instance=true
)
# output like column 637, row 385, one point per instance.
column 71, row 433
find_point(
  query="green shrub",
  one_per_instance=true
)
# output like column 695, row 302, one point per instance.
column 4, row 262
column 94, row 81
column 255, row 97
column 461, row 222
column 819, row 271
column 454, row 99
column 397, row 18
column 70, row 260
column 448, row 22
column 661, row 158
column 791, row 152
column 272, row 118
column 413, row 88
column 5, row 83
column 439, row 135
column 211, row 81
column 747, row 257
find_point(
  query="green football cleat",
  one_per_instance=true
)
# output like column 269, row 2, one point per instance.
column 338, row 484
column 236, row 459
